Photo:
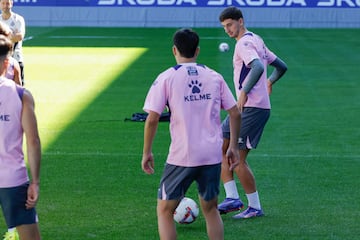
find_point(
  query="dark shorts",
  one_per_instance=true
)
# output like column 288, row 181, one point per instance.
column 253, row 121
column 176, row 181
column 12, row 202
column 21, row 64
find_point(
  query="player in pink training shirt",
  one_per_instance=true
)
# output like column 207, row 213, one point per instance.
column 253, row 87
column 18, row 193
column 195, row 96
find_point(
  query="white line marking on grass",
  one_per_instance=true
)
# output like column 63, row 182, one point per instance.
column 212, row 38
column 141, row 37
column 118, row 37
column 56, row 153
column 326, row 155
column 96, row 37
column 28, row 38
column 97, row 153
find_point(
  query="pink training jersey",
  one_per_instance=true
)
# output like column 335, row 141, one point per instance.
column 249, row 47
column 13, row 171
column 195, row 96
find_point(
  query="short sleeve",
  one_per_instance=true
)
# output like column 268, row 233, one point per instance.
column 157, row 95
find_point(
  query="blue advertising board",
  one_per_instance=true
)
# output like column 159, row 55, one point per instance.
column 194, row 3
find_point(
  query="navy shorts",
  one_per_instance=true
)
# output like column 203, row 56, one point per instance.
column 253, row 121
column 176, row 181
column 12, row 202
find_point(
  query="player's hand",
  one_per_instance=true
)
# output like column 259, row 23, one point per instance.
column 32, row 195
column 269, row 86
column 147, row 163
column 241, row 101
column 233, row 158
column 12, row 37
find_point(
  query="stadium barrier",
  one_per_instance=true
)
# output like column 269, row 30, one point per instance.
column 187, row 17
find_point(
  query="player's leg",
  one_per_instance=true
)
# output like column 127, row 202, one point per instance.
column 21, row 64
column 16, row 215
column 254, row 121
column 247, row 180
column 208, row 182
column 214, row 224
column 5, row 201
column 232, row 200
column 29, row 231
column 174, row 182
column 165, row 213
column 226, row 174
column 244, row 173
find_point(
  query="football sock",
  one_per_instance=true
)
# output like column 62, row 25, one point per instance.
column 253, row 200
column 231, row 190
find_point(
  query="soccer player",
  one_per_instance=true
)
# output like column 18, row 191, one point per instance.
column 13, row 71
column 18, row 192
column 17, row 25
column 195, row 96
column 250, row 61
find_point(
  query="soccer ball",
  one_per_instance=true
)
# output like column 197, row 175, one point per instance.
column 224, row 47
column 187, row 211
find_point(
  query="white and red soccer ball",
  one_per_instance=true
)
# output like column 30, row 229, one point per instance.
column 187, row 211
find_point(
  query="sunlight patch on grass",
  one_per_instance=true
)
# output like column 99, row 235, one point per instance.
column 65, row 80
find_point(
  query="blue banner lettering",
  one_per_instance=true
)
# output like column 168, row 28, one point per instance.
column 194, row 3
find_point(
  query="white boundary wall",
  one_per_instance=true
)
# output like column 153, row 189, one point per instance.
column 187, row 17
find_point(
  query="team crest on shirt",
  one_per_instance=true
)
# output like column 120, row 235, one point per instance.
column 192, row 71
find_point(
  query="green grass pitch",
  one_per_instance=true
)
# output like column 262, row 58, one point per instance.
column 86, row 81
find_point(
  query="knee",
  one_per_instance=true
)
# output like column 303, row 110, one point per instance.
column 208, row 206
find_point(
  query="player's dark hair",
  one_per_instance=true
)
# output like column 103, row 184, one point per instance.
column 5, row 46
column 186, row 41
column 230, row 13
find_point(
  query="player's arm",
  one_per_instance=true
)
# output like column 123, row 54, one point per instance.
column 29, row 124
column 151, row 125
column 19, row 34
column 16, row 37
column 280, row 68
column 257, row 69
column 232, row 153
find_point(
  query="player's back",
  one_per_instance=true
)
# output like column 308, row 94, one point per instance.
column 195, row 100
column 12, row 166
